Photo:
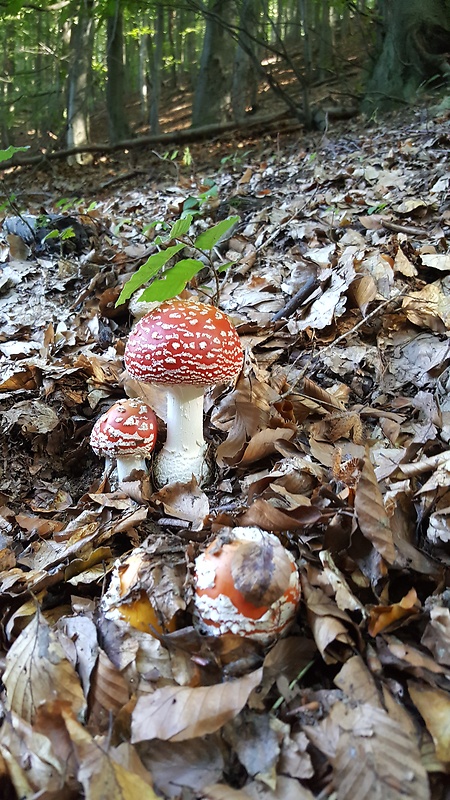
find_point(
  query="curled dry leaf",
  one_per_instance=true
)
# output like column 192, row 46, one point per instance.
column 37, row 670
column 328, row 623
column 262, row 444
column 176, row 713
column 363, row 290
column 430, row 308
column 345, row 599
column 437, row 634
column 382, row 617
column 434, row 706
column 325, row 400
column 184, row 501
column 266, row 516
column 371, row 514
column 243, row 413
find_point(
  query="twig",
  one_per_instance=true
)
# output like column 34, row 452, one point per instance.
column 310, row 284
column 339, row 339
column 410, row 230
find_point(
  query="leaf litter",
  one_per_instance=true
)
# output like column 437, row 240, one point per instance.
column 335, row 436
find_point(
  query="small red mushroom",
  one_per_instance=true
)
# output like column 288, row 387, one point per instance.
column 126, row 432
column 246, row 583
column 185, row 346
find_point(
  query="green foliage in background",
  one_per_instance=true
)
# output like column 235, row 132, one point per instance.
column 5, row 155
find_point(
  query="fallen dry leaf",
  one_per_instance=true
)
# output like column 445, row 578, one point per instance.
column 382, row 617
column 371, row 515
column 37, row 671
column 434, row 706
column 184, row 501
column 199, row 711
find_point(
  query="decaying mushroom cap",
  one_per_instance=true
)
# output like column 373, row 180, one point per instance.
column 181, row 342
column 247, row 584
column 128, row 428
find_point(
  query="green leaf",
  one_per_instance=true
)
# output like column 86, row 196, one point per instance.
column 210, row 237
column 190, row 202
column 181, row 227
column 224, row 267
column 9, row 152
column 173, row 281
column 68, row 233
column 147, row 271
column 54, row 234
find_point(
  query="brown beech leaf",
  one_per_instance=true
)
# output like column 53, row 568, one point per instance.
column 100, row 774
column 328, row 623
column 109, row 689
column 188, row 765
column 243, row 412
column 363, row 290
column 37, row 670
column 176, row 713
column 374, row 757
column 32, row 762
column 262, row 444
column 383, row 764
column 436, row 635
column 184, row 501
column 269, row 518
column 371, row 514
column 325, row 399
column 434, row 706
column 382, row 617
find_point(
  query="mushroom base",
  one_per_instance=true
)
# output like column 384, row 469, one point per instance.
column 172, row 465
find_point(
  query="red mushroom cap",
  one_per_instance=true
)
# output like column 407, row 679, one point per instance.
column 246, row 583
column 180, row 342
column 128, row 428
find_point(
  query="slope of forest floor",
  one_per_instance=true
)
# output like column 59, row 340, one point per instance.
column 335, row 436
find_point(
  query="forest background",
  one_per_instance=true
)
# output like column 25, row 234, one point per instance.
column 76, row 72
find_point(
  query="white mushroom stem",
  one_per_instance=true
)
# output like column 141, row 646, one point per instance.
column 126, row 465
column 183, row 454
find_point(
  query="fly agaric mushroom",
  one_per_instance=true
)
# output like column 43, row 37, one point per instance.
column 246, row 583
column 127, row 598
column 185, row 346
column 126, row 432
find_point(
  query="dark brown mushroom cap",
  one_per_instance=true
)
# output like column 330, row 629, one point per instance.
column 181, row 342
column 128, row 428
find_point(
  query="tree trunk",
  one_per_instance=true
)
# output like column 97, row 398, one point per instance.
column 325, row 41
column 143, row 74
column 414, row 48
column 81, row 44
column 244, row 87
column 212, row 85
column 115, row 84
column 7, row 86
column 156, row 52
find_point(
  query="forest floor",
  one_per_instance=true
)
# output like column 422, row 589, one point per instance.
column 335, row 436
